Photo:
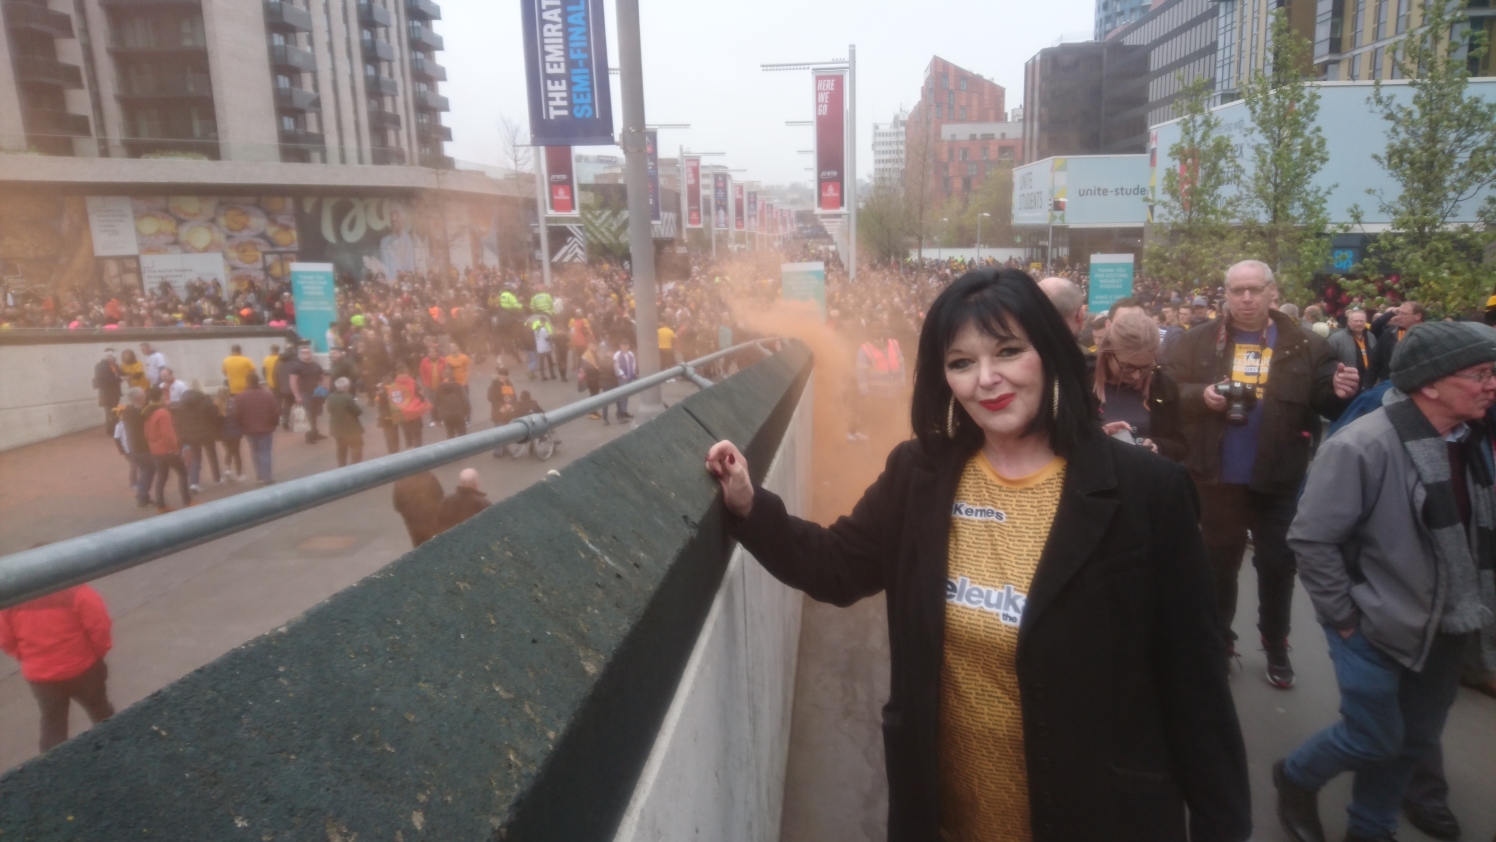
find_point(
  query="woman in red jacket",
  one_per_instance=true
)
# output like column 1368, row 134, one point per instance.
column 61, row 640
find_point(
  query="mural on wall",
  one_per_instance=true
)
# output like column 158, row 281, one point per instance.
column 256, row 238
column 44, row 241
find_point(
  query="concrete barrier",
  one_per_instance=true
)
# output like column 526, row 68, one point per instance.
column 507, row 680
column 46, row 383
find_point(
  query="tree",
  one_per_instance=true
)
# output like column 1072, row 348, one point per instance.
column 1195, row 235
column 1285, row 213
column 1441, row 152
column 514, row 146
column 920, row 150
column 883, row 223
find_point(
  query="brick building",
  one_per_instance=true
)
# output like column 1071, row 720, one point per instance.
column 958, row 132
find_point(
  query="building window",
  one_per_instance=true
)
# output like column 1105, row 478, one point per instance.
column 963, row 83
column 1376, row 63
column 939, row 113
column 1359, row 23
column 1005, row 153
column 963, row 112
column 950, row 153
column 966, row 185
column 947, row 184
column 985, row 153
column 1355, row 68
column 1402, row 18
column 282, row 80
column 945, row 81
column 971, row 168
column 288, row 122
column 1381, row 27
column 1396, row 69
column 950, row 98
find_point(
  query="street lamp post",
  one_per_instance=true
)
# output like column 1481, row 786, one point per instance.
column 636, row 176
column 940, row 246
column 979, row 234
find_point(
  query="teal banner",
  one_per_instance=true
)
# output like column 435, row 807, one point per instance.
column 315, row 293
column 1111, row 280
column 804, row 282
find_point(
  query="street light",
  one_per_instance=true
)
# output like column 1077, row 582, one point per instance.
column 847, row 65
column 979, row 234
column 940, row 247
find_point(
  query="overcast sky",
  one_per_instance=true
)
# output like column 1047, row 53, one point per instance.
column 701, row 66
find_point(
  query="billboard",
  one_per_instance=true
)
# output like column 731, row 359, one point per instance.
column 752, row 213
column 314, row 291
column 652, row 163
column 738, row 209
column 560, row 182
column 719, row 201
column 831, row 141
column 1085, row 191
column 804, row 282
column 566, row 65
column 693, row 192
column 1111, row 280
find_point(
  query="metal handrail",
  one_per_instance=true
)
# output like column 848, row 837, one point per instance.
column 37, row 572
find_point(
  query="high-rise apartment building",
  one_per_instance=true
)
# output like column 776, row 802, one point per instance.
column 1113, row 14
column 951, row 98
column 1358, row 39
column 888, row 150
column 319, row 81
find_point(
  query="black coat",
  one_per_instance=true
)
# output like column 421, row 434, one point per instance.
column 1127, row 713
column 198, row 419
column 107, row 380
column 1300, row 388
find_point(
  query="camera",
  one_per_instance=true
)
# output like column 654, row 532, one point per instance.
column 1240, row 398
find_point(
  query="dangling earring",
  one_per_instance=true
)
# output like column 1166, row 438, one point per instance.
column 1055, row 404
column 950, row 419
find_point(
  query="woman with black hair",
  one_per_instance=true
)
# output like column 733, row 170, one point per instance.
column 1057, row 673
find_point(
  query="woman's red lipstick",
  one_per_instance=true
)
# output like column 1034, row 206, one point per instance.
column 999, row 403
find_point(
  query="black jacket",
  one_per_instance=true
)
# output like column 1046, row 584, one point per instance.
column 197, row 418
column 1163, row 409
column 107, row 380
column 1127, row 712
column 1300, row 388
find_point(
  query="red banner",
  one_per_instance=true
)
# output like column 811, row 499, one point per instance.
column 693, row 192
column 831, row 142
column 560, row 180
column 739, row 222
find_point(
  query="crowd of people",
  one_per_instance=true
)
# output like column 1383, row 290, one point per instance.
column 1017, row 392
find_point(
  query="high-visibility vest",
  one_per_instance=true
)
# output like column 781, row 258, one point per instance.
column 883, row 362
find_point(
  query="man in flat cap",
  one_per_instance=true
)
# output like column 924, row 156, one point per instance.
column 1392, row 534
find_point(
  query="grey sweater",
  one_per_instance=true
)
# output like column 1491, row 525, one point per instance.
column 1360, row 512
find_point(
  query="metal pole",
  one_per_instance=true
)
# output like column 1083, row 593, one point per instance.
column 636, row 176
column 852, row 155
column 680, row 174
column 979, row 238
column 540, row 202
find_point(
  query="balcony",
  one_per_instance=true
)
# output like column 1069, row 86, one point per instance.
column 384, row 85
column 166, row 89
column 377, row 50
column 372, row 14
column 431, row 101
column 284, row 17
column 437, row 162
column 150, row 4
column 139, row 48
column 57, row 123
column 424, row 68
column 292, row 58
column 433, row 129
column 301, row 137
column 423, row 10
column 425, row 37
column 38, row 20
column 381, row 119
column 46, row 71
column 296, row 99
column 388, row 155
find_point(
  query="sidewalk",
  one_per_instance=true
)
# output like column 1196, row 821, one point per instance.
column 178, row 613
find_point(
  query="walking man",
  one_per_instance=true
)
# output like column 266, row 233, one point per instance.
column 61, row 640
column 1249, row 454
column 258, row 414
column 626, row 367
column 1395, row 523
column 153, row 361
column 236, row 367
column 107, row 379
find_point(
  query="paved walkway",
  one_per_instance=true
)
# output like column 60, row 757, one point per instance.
column 180, row 612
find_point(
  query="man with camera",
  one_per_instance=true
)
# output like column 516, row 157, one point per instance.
column 1252, row 386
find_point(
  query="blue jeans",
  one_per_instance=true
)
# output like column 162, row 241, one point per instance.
column 145, row 476
column 259, row 452
column 1391, row 719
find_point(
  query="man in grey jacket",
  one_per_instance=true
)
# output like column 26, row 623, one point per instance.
column 1392, row 535
column 1355, row 345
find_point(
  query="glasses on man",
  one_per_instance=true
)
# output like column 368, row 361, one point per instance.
column 1479, row 378
column 1129, row 370
column 1253, row 290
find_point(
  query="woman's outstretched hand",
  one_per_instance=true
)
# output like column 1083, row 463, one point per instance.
column 731, row 470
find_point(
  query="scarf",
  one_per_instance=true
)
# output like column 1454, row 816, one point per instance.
column 1457, row 601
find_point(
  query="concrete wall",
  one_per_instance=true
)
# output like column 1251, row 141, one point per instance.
column 718, row 764
column 506, row 680
column 46, row 388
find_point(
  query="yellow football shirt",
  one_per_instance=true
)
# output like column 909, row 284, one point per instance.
column 998, row 530
column 236, row 369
